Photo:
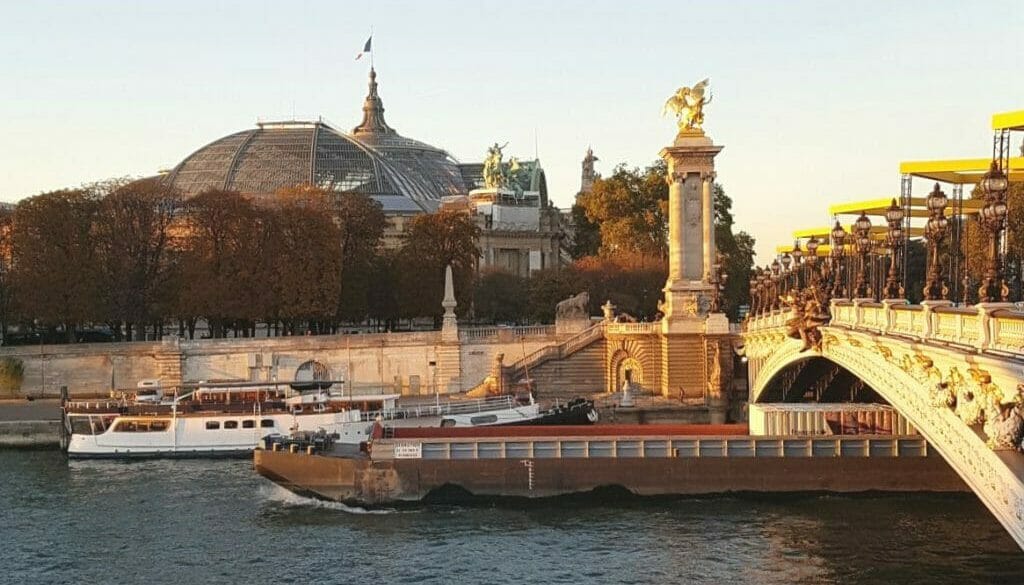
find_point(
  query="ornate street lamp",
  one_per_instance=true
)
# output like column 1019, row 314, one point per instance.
column 993, row 217
column 812, row 258
column 776, row 269
column 894, row 217
column 862, row 240
column 836, row 259
column 798, row 257
column 935, row 288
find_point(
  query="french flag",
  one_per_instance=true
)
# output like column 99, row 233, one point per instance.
column 366, row 48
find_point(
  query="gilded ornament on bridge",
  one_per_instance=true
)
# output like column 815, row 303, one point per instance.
column 807, row 317
column 687, row 103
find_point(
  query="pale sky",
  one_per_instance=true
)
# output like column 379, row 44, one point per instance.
column 815, row 102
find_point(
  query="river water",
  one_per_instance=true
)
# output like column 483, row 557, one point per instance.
column 194, row 522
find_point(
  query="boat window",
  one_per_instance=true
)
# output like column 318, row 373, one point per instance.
column 231, row 424
column 141, row 426
column 80, row 425
column 212, row 425
column 267, row 423
column 248, row 424
column 484, row 419
column 448, row 422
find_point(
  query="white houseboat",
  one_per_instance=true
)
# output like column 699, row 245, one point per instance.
column 225, row 419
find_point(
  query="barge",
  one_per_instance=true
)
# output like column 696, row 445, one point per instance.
column 411, row 465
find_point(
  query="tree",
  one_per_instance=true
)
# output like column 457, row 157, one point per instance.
column 54, row 261
column 6, row 260
column 631, row 209
column 736, row 254
column 361, row 225
column 136, row 268
column 221, row 261
column 586, row 234
column 302, row 261
column 432, row 242
column 549, row 286
column 500, row 297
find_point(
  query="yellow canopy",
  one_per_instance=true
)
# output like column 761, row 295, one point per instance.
column 961, row 171
column 1008, row 120
column 878, row 207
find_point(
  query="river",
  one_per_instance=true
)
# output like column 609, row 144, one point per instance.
column 193, row 522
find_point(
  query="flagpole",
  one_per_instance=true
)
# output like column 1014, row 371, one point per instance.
column 371, row 48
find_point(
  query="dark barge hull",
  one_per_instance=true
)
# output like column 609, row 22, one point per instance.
column 369, row 482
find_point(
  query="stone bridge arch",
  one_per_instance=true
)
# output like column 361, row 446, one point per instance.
column 905, row 373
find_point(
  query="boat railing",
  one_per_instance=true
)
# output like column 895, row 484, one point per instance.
column 443, row 408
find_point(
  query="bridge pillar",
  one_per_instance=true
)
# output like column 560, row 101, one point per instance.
column 687, row 324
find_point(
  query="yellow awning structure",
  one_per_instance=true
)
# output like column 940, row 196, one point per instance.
column 1008, row 120
column 966, row 171
column 878, row 207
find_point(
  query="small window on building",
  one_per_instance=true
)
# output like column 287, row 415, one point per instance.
column 248, row 424
column 212, row 425
column 231, row 424
column 267, row 423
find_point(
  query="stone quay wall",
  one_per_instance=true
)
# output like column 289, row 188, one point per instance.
column 387, row 362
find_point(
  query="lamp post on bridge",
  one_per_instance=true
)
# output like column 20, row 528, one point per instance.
column 993, row 217
column 935, row 288
column 787, row 261
column 894, row 217
column 798, row 257
column 836, row 259
column 862, row 240
column 812, row 260
column 766, row 287
column 776, row 277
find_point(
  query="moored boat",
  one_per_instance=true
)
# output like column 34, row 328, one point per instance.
column 225, row 419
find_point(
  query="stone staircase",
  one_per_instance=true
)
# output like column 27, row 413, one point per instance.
column 570, row 368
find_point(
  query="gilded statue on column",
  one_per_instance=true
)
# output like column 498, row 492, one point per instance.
column 688, row 106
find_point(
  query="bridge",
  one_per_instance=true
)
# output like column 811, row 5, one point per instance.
column 951, row 372
column 839, row 327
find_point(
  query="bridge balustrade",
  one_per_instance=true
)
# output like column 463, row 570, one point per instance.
column 982, row 328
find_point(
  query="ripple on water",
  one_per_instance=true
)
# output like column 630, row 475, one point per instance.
column 161, row 522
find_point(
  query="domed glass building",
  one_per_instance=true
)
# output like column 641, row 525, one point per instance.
column 407, row 177
column 373, row 159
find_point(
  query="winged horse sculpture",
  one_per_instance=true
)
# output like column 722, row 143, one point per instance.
column 688, row 105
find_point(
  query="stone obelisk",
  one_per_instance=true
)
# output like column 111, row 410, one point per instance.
column 687, row 324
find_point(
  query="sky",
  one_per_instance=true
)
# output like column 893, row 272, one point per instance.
column 815, row 102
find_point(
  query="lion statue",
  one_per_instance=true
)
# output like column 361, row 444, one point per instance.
column 574, row 307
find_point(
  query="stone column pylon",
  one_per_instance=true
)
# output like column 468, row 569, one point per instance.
column 691, row 245
column 691, row 169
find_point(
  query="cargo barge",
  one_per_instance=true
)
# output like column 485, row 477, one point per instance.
column 411, row 465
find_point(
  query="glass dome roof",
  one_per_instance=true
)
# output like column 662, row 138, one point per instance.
column 373, row 160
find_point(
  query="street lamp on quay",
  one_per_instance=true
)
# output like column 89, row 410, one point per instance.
column 836, row 259
column 862, row 240
column 894, row 217
column 993, row 217
column 935, row 288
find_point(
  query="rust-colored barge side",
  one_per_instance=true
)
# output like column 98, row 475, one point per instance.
column 541, row 463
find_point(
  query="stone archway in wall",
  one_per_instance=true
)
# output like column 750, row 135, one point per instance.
column 312, row 375
column 630, row 369
column 632, row 357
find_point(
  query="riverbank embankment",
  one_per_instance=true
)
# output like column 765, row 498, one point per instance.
column 29, row 423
